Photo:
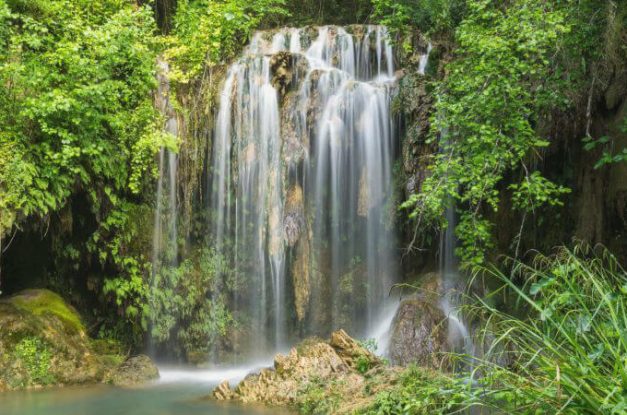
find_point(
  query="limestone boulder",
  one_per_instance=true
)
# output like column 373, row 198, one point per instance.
column 313, row 362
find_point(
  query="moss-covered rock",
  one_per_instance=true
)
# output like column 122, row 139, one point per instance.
column 42, row 302
column 134, row 371
column 419, row 334
column 43, row 342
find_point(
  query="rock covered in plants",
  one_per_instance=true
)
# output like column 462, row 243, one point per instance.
column 43, row 342
column 134, row 371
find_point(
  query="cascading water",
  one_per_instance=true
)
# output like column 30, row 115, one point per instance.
column 458, row 334
column 164, row 245
column 301, row 181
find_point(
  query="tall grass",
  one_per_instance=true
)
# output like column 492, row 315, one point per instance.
column 560, row 348
column 568, row 354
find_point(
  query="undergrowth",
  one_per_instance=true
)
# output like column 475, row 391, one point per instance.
column 562, row 349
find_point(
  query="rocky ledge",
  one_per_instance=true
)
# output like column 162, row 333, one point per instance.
column 44, row 343
column 317, row 376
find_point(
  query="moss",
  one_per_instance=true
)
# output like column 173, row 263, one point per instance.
column 40, row 302
column 107, row 347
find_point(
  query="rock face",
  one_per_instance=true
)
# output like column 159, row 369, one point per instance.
column 43, row 343
column 341, row 361
column 134, row 371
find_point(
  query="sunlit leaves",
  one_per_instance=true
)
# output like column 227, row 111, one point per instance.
column 74, row 76
column 209, row 32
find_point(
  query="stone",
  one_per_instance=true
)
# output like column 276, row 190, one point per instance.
column 318, row 377
column 419, row 334
column 43, row 343
column 294, row 221
column 223, row 392
column 287, row 69
column 350, row 351
column 311, row 362
column 134, row 371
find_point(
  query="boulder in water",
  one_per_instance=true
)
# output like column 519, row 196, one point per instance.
column 134, row 371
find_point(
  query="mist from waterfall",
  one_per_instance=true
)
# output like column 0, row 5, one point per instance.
column 301, row 182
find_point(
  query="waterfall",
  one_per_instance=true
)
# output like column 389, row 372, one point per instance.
column 301, row 182
column 424, row 60
column 164, row 244
column 458, row 334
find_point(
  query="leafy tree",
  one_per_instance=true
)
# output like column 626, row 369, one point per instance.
column 486, row 113
column 77, row 118
column 209, row 32
column 77, row 112
column 428, row 16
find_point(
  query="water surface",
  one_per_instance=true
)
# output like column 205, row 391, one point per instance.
column 155, row 399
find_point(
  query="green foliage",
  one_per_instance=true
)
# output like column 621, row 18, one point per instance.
column 485, row 118
column 420, row 391
column 318, row 397
column 429, row 16
column 609, row 154
column 76, row 98
column 34, row 354
column 568, row 355
column 369, row 344
column 186, row 304
column 128, row 288
column 535, row 191
column 209, row 32
column 363, row 364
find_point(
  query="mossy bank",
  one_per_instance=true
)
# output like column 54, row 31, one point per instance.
column 43, row 342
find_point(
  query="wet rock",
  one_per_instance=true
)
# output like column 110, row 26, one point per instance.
column 352, row 352
column 287, row 69
column 311, row 363
column 417, row 152
column 419, row 333
column 294, row 221
column 134, row 371
column 223, row 392
column 300, row 276
column 296, row 235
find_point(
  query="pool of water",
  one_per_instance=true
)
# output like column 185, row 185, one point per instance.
column 177, row 393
